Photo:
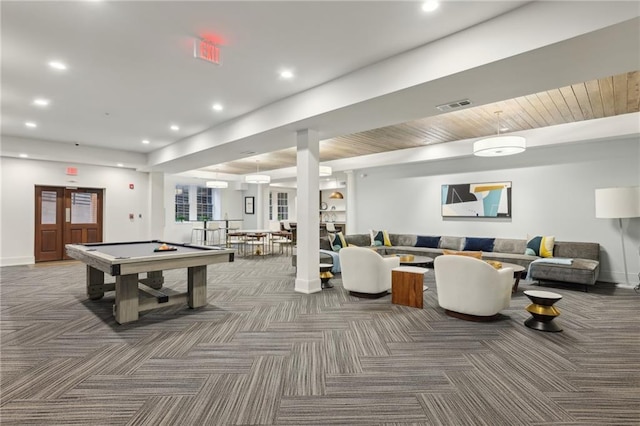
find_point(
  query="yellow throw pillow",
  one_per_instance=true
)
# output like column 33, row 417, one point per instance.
column 474, row 254
column 494, row 263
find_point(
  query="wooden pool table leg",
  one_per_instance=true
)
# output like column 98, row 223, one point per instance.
column 95, row 283
column 154, row 279
column 197, row 286
column 126, row 307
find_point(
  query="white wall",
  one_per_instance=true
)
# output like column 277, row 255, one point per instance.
column 19, row 178
column 553, row 194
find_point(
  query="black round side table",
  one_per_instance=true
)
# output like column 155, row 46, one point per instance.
column 542, row 310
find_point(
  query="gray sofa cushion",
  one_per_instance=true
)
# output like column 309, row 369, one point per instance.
column 361, row 240
column 324, row 243
column 509, row 245
column 451, row 243
column 581, row 271
column 577, row 250
column 403, row 239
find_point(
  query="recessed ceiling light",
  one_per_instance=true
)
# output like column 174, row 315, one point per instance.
column 430, row 5
column 145, row 141
column 504, row 129
column 286, row 74
column 41, row 102
column 23, row 156
column 217, row 107
column 30, row 124
column 120, row 165
column 175, row 128
column 58, row 65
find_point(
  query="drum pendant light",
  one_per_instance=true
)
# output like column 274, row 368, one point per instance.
column 499, row 145
column 257, row 178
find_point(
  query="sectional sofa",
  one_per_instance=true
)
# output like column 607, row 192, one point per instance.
column 583, row 267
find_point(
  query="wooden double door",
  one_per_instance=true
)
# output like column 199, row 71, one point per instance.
column 65, row 216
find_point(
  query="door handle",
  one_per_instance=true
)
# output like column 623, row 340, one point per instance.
column 67, row 214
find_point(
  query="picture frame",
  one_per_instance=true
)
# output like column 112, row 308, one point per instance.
column 480, row 200
column 249, row 205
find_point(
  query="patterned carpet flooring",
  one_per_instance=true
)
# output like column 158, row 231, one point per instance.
column 261, row 353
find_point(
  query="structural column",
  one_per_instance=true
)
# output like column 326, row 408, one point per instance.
column 308, row 222
column 258, row 206
column 351, row 202
column 156, row 215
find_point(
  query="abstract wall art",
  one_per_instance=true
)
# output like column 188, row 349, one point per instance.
column 490, row 199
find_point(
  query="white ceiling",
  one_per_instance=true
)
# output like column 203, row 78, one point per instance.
column 132, row 72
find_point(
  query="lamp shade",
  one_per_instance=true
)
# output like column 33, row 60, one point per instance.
column 217, row 184
column 257, row 178
column 499, row 145
column 618, row 202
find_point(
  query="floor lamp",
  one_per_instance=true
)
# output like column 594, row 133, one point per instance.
column 619, row 203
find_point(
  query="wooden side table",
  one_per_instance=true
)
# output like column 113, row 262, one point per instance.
column 542, row 310
column 407, row 286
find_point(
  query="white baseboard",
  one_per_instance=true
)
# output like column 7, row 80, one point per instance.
column 15, row 261
column 626, row 285
column 308, row 286
column 619, row 278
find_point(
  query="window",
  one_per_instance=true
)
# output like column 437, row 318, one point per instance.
column 49, row 207
column 182, row 203
column 205, row 203
column 283, row 206
column 195, row 202
column 84, row 207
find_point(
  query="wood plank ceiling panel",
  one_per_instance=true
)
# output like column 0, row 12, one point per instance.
column 606, row 92
column 561, row 104
column 620, row 91
column 605, row 97
column 572, row 102
column 633, row 91
column 593, row 91
column 582, row 98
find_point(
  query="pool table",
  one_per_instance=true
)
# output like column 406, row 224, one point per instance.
column 125, row 260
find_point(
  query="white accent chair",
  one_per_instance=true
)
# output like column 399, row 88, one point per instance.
column 470, row 288
column 365, row 273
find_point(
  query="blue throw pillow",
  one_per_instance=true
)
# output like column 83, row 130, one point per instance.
column 430, row 242
column 478, row 244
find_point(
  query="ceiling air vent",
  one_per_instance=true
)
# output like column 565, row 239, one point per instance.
column 450, row 106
